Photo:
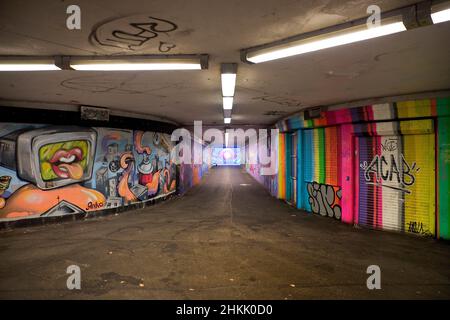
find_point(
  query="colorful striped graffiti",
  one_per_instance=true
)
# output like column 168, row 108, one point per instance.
column 320, row 187
column 281, row 166
column 396, row 177
column 383, row 166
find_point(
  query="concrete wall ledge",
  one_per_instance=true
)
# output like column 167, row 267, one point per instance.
column 23, row 223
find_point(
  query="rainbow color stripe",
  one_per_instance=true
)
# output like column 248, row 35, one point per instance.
column 281, row 166
column 332, row 149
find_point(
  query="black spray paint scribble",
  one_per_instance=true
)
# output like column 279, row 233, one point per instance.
column 118, row 85
column 324, row 199
column 390, row 145
column 282, row 101
column 165, row 46
column 416, row 227
column 419, row 228
column 101, row 84
column 135, row 35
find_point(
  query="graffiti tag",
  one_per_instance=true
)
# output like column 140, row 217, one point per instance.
column 390, row 145
column 417, row 227
column 132, row 33
column 94, row 205
column 384, row 171
column 324, row 199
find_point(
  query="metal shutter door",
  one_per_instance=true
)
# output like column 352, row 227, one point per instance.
column 319, row 155
column 294, row 168
column 331, row 155
column 396, row 183
column 367, row 187
column 419, row 208
column 308, row 165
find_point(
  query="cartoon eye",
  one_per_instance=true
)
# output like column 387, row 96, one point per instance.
column 156, row 139
column 114, row 166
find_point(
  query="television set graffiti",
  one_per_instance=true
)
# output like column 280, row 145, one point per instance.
column 54, row 171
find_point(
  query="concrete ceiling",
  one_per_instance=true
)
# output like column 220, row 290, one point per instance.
column 404, row 63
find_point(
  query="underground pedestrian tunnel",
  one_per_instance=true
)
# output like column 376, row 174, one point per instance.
column 226, row 150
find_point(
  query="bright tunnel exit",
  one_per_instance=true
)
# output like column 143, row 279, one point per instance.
column 226, row 157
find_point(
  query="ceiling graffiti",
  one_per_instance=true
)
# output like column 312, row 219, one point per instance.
column 263, row 96
column 115, row 85
column 275, row 113
column 135, row 33
column 362, row 71
column 282, row 101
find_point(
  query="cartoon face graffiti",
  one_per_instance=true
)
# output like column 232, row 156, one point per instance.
column 64, row 160
column 114, row 166
column 54, row 160
column 54, row 157
column 145, row 167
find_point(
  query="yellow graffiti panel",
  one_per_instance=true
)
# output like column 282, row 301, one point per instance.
column 316, row 155
column 411, row 109
column 419, row 174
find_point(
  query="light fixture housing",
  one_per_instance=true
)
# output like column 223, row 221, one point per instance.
column 139, row 63
column 227, row 103
column 440, row 12
column 227, row 120
column 26, row 63
column 105, row 63
column 315, row 41
column 345, row 33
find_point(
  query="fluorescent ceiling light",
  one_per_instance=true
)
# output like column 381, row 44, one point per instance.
column 325, row 41
column 228, row 76
column 441, row 16
column 28, row 65
column 228, row 84
column 133, row 65
column 105, row 63
column 227, row 103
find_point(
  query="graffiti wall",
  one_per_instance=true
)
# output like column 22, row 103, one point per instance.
column 270, row 182
column 383, row 166
column 320, row 190
column 396, row 177
column 191, row 174
column 52, row 171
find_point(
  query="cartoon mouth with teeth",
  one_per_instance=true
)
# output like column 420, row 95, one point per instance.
column 64, row 160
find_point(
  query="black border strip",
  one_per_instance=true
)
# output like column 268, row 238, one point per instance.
column 61, row 117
